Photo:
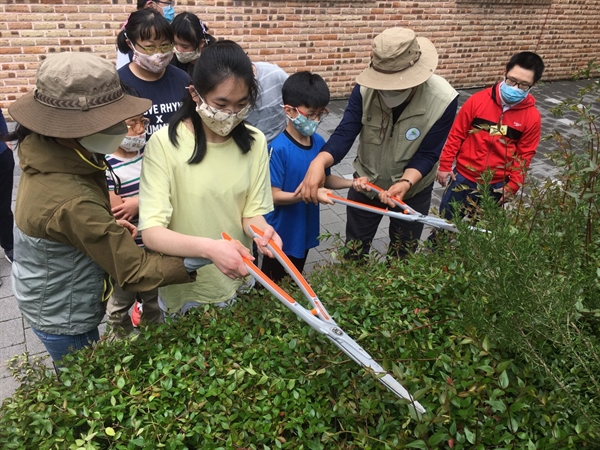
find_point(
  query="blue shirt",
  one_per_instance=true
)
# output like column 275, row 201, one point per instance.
column 297, row 224
column 423, row 160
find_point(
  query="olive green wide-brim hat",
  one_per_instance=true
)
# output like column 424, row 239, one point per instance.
column 400, row 61
column 76, row 94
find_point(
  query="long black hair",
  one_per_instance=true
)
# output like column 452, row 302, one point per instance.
column 18, row 134
column 142, row 25
column 220, row 61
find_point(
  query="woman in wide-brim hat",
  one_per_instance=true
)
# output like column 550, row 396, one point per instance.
column 68, row 246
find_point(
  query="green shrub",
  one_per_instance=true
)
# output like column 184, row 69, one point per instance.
column 254, row 376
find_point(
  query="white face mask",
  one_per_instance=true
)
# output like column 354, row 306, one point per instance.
column 106, row 141
column 133, row 144
column 186, row 57
column 394, row 98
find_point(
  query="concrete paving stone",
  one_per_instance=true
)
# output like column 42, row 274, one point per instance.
column 8, row 386
column 6, row 354
column 11, row 333
column 5, row 268
column 9, row 309
column 380, row 245
column 315, row 256
column 335, row 228
column 34, row 345
column 329, row 216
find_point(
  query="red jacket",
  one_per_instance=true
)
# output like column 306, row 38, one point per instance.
column 483, row 137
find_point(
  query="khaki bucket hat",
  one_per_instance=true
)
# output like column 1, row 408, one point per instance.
column 76, row 94
column 400, row 61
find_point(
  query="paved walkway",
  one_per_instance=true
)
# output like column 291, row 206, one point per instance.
column 16, row 336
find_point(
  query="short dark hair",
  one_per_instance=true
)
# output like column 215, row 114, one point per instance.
column 189, row 28
column 528, row 61
column 141, row 25
column 305, row 88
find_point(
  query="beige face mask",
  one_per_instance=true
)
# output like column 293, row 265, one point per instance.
column 219, row 121
column 391, row 99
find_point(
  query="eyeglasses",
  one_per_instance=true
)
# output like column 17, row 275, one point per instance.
column 512, row 82
column 138, row 124
column 153, row 50
column 316, row 117
column 224, row 114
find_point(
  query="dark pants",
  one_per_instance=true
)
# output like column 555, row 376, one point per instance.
column 7, row 166
column 465, row 193
column 275, row 271
column 361, row 226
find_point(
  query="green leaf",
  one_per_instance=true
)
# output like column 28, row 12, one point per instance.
column 487, row 369
column 498, row 406
column 501, row 367
column 469, row 435
column 109, row 431
column 503, row 380
column 121, row 383
column 417, row 444
column 486, row 345
column 437, row 438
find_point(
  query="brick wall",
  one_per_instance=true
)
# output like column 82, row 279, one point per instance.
column 332, row 38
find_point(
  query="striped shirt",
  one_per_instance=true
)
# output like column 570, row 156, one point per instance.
column 128, row 170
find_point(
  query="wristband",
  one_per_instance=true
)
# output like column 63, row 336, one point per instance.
column 407, row 181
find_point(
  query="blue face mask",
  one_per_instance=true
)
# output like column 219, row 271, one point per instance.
column 169, row 13
column 511, row 94
column 304, row 126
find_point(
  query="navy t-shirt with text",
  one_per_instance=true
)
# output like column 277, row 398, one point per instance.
column 166, row 94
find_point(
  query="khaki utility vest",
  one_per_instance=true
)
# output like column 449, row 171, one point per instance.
column 385, row 148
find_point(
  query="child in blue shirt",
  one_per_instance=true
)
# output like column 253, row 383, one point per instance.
column 305, row 96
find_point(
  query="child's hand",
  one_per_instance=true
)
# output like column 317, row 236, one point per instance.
column 129, row 227
column 262, row 241
column 360, row 184
column 323, row 197
column 127, row 210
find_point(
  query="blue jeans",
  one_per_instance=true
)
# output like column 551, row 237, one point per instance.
column 59, row 345
column 463, row 192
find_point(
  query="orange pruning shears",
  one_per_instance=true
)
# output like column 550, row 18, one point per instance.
column 408, row 214
column 319, row 319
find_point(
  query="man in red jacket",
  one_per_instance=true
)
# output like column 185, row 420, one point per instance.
column 497, row 130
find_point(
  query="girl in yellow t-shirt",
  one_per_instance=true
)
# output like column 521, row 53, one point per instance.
column 208, row 172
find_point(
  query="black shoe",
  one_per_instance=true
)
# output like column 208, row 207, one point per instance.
column 8, row 254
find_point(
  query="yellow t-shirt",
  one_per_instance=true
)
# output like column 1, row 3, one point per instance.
column 203, row 200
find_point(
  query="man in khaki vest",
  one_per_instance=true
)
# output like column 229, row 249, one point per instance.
column 402, row 114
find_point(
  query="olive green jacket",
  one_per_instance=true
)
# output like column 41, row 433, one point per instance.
column 67, row 242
